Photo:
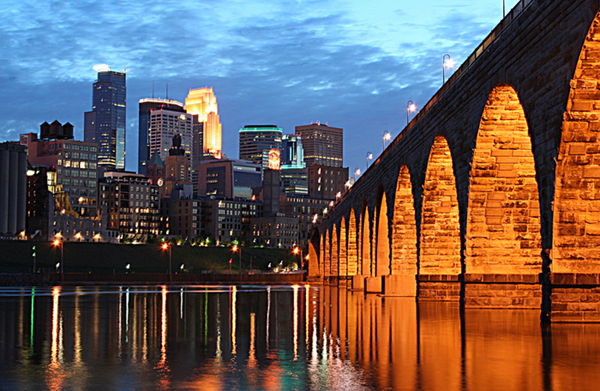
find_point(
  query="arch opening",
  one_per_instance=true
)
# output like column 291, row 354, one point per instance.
column 503, row 216
column 352, row 245
column 365, row 264
column 440, row 228
column 404, row 227
column 382, row 259
column 335, row 251
column 576, row 221
column 343, row 257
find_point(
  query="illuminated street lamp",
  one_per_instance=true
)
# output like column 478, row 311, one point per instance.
column 59, row 242
column 234, row 249
column 447, row 62
column 298, row 250
column 386, row 137
column 410, row 108
column 166, row 246
column 356, row 173
column 369, row 157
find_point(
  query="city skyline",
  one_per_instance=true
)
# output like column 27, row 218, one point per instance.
column 339, row 63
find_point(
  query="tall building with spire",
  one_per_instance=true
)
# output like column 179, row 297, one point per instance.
column 203, row 102
column 106, row 123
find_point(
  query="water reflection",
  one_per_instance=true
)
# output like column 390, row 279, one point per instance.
column 298, row 337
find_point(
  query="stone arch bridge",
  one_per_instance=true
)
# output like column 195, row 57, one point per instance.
column 491, row 195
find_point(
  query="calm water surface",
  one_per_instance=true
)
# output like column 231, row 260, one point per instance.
column 279, row 338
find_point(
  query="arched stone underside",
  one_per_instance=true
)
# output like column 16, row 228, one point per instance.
column 327, row 255
column 314, row 264
column 503, row 222
column 404, row 227
column 352, row 245
column 440, row 230
column 321, row 255
column 382, row 259
column 343, row 258
column 576, row 229
column 335, row 251
column 365, row 265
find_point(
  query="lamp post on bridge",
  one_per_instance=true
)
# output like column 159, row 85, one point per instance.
column 369, row 157
column 386, row 137
column 410, row 107
column 447, row 62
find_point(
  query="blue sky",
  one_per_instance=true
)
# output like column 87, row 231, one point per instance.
column 353, row 64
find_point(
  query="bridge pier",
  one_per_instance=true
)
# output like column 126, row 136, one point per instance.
column 441, row 287
column 503, row 291
column 358, row 283
column 574, row 297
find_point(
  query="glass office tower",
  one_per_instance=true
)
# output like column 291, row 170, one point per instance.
column 105, row 124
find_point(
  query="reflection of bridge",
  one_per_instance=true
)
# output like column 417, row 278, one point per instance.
column 491, row 195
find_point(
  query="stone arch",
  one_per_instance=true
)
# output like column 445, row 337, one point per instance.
column 439, row 251
column 352, row 245
column 343, row 255
column 404, row 227
column 576, row 223
column 365, row 245
column 327, row 255
column 382, row 249
column 315, row 255
column 503, row 216
column 335, row 251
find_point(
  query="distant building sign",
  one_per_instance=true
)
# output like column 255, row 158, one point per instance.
column 274, row 159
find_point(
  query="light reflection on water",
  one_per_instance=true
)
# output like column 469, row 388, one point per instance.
column 280, row 338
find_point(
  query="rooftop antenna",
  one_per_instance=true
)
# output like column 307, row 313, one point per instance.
column 167, row 91
column 152, row 89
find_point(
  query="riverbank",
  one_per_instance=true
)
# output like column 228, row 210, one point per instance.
column 86, row 257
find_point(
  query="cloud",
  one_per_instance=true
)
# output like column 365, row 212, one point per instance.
column 289, row 64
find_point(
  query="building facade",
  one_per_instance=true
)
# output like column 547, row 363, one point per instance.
column 131, row 203
column 203, row 103
column 229, row 178
column 323, row 145
column 106, row 123
column 72, row 167
column 164, row 125
column 327, row 182
column 13, row 189
column 257, row 140
column 146, row 106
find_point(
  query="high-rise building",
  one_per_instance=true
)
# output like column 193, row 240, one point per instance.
column 146, row 107
column 106, row 123
column 323, row 145
column 292, row 152
column 164, row 125
column 203, row 102
column 257, row 140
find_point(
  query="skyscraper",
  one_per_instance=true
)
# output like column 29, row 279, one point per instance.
column 164, row 124
column 105, row 124
column 257, row 140
column 323, row 145
column 146, row 107
column 203, row 102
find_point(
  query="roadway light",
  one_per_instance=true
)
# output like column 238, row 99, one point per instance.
column 386, row 137
column 369, row 157
column 410, row 107
column 166, row 246
column 58, row 242
column 356, row 173
column 447, row 62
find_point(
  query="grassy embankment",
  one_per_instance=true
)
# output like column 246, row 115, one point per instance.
column 16, row 256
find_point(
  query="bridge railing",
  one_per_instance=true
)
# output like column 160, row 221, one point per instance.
column 461, row 71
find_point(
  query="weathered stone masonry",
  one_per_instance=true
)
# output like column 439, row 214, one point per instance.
column 502, row 164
